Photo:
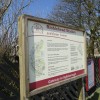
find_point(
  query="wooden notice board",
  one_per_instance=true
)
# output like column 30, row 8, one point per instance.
column 51, row 54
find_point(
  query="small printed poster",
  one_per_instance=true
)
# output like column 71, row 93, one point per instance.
column 90, row 80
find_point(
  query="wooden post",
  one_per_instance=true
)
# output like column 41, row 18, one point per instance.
column 81, row 89
column 22, row 69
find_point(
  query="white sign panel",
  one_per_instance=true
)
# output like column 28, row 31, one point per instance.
column 54, row 54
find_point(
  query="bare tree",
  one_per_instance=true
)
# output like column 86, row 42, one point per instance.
column 9, row 12
column 80, row 13
column 4, row 5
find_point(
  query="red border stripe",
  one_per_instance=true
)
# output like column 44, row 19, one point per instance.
column 52, row 80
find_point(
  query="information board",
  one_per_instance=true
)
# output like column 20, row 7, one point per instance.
column 53, row 53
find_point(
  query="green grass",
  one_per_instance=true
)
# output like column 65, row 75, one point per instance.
column 95, row 96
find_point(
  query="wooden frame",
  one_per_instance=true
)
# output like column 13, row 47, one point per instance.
column 23, row 54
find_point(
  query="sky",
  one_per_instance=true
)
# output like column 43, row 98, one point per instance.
column 41, row 8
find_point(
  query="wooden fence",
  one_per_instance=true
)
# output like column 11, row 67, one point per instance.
column 9, row 85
